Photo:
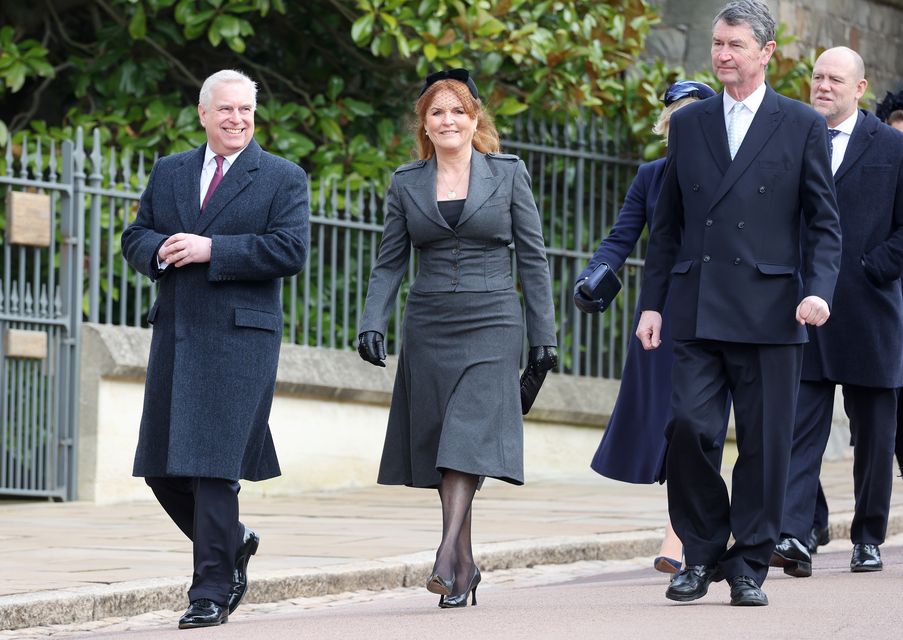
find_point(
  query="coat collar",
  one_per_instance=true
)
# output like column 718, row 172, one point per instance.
column 763, row 126
column 482, row 184
column 188, row 186
column 861, row 138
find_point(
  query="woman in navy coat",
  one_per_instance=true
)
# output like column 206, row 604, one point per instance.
column 633, row 446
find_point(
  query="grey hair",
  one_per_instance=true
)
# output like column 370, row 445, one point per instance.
column 226, row 75
column 752, row 12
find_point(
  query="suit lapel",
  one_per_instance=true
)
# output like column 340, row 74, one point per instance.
column 763, row 126
column 711, row 121
column 236, row 179
column 188, row 188
column 862, row 136
column 423, row 193
column 483, row 184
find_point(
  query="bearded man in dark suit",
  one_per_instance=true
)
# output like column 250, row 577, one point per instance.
column 861, row 349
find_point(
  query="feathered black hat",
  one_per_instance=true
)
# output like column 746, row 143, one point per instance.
column 892, row 102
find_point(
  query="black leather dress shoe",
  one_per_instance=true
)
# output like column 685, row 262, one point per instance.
column 793, row 556
column 203, row 613
column 692, row 582
column 818, row 538
column 866, row 557
column 745, row 592
column 250, row 542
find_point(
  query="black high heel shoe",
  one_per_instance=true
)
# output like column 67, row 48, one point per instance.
column 439, row 585
column 460, row 599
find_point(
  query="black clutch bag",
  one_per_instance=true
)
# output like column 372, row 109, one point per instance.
column 601, row 286
column 530, row 382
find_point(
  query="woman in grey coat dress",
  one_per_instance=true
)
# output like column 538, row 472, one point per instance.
column 456, row 413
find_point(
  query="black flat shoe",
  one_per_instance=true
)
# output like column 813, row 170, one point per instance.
column 203, row 613
column 692, row 582
column 249, row 544
column 439, row 585
column 745, row 592
column 460, row 599
column 866, row 557
column 793, row 556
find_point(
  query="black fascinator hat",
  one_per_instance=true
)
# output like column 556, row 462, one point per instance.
column 892, row 102
column 461, row 75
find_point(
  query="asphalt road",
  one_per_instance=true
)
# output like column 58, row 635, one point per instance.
column 582, row 600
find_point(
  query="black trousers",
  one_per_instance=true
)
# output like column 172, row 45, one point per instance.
column 873, row 425
column 763, row 381
column 206, row 510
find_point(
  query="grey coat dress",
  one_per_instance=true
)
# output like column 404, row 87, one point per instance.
column 456, row 401
column 217, row 326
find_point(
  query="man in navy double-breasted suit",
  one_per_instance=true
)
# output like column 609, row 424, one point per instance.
column 218, row 228
column 747, row 183
column 862, row 347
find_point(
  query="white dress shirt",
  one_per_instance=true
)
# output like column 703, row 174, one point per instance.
column 842, row 139
column 751, row 104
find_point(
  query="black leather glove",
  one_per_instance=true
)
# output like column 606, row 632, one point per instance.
column 582, row 302
column 543, row 358
column 371, row 347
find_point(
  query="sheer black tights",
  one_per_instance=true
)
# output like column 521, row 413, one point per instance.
column 455, row 553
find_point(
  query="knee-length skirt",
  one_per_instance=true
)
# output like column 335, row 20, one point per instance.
column 456, row 400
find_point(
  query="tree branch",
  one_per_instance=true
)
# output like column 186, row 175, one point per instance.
column 156, row 47
column 20, row 120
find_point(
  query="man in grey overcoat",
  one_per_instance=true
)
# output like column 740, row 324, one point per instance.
column 217, row 228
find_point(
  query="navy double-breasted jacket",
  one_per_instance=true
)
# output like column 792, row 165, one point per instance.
column 727, row 234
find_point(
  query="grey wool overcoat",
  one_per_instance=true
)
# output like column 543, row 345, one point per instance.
column 217, row 326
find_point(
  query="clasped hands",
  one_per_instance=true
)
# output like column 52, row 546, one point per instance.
column 181, row 249
column 811, row 310
column 371, row 347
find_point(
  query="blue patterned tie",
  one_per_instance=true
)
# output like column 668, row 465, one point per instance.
column 832, row 133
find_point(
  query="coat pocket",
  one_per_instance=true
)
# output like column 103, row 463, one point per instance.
column 775, row 269
column 682, row 267
column 257, row 319
column 152, row 314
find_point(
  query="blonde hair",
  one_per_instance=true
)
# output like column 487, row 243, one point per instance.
column 485, row 138
column 664, row 118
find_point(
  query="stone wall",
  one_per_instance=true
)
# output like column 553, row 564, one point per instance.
column 874, row 28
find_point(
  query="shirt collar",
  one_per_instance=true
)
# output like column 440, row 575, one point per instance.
column 752, row 102
column 209, row 154
column 849, row 124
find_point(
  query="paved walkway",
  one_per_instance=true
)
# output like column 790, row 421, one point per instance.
column 74, row 562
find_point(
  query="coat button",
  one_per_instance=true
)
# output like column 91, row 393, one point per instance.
column 736, row 260
column 762, row 189
column 741, row 224
column 454, row 252
column 455, row 266
column 695, row 187
column 706, row 258
column 708, row 222
column 455, row 281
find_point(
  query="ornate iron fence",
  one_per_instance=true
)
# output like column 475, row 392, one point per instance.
column 579, row 178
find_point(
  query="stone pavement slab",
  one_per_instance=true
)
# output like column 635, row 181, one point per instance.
column 73, row 562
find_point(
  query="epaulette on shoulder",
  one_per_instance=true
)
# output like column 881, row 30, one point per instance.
column 411, row 165
column 510, row 157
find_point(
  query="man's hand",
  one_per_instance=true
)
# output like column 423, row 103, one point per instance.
column 185, row 248
column 649, row 330
column 812, row 310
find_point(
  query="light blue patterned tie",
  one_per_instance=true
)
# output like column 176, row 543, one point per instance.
column 734, row 138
